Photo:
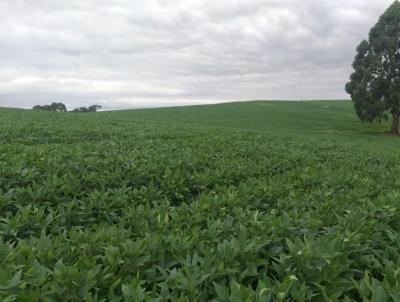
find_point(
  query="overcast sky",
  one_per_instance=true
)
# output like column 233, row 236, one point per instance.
column 146, row 53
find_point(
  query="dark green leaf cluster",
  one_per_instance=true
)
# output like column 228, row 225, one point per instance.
column 375, row 84
column 105, row 208
column 52, row 107
column 91, row 108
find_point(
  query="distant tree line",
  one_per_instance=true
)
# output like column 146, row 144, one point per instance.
column 91, row 108
column 52, row 107
column 62, row 108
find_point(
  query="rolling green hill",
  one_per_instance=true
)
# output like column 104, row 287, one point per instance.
column 283, row 118
column 262, row 116
column 250, row 201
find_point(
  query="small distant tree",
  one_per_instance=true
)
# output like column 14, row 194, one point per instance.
column 375, row 83
column 59, row 107
column 94, row 108
column 38, row 107
column 80, row 109
column 91, row 108
column 52, row 107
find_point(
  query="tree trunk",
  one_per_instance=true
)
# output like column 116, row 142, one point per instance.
column 395, row 124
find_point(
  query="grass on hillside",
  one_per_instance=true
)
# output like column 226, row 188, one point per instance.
column 258, row 201
column 262, row 116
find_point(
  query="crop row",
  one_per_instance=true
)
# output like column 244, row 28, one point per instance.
column 101, row 209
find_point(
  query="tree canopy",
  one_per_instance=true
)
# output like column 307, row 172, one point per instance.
column 375, row 83
column 91, row 108
column 52, row 107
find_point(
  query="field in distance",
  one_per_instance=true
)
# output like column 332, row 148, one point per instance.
column 249, row 201
column 264, row 116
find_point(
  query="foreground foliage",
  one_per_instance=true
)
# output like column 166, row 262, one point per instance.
column 103, row 208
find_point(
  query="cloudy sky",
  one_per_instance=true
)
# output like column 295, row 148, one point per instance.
column 146, row 53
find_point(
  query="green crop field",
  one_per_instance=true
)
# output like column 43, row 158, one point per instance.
column 251, row 201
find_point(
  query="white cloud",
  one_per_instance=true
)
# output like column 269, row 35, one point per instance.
column 160, row 52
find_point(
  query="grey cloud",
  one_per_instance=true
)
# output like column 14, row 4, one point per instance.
column 160, row 52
